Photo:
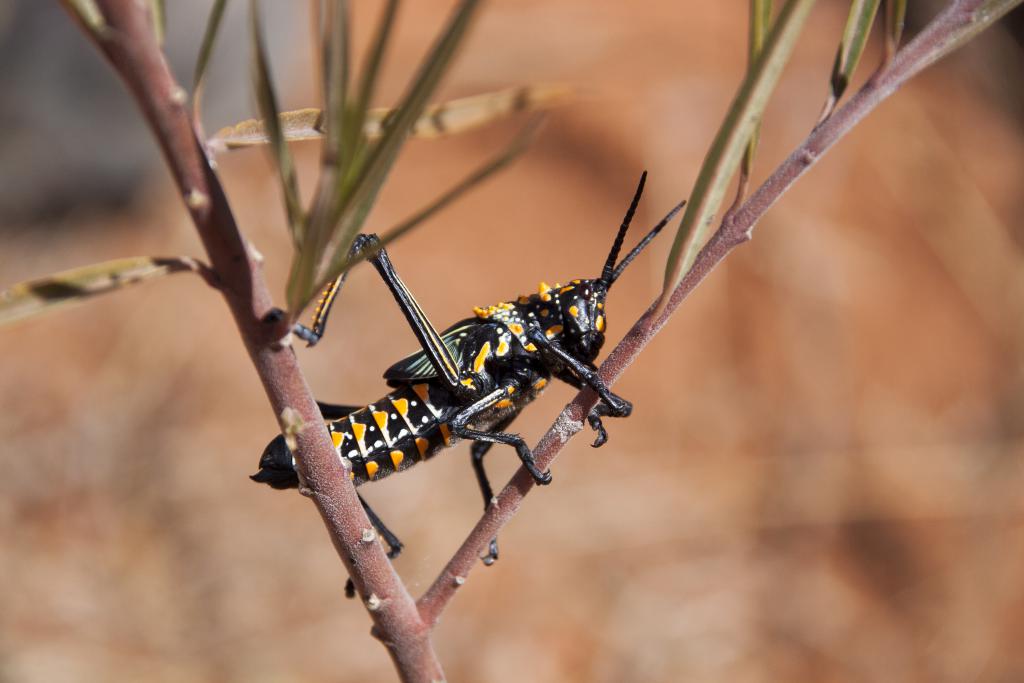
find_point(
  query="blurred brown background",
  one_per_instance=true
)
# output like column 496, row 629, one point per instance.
column 823, row 477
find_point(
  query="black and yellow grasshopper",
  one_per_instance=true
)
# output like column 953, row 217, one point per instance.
column 472, row 380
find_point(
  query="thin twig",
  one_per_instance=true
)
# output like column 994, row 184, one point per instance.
column 736, row 227
column 129, row 44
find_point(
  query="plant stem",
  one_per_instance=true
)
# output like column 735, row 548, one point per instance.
column 128, row 42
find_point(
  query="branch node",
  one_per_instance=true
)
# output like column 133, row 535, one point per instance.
column 369, row 536
column 179, row 95
column 459, row 581
column 255, row 254
column 374, row 603
column 494, row 502
column 197, row 200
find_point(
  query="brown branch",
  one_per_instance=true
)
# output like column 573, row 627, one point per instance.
column 929, row 45
column 128, row 43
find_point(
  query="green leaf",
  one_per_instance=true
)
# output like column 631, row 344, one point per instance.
column 159, row 15
column 205, row 50
column 33, row 297
column 895, row 15
column 438, row 120
column 344, row 199
column 760, row 22
column 90, row 14
column 368, row 77
column 851, row 47
column 731, row 140
column 267, row 100
column 499, row 162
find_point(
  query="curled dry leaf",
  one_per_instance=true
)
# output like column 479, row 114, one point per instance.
column 33, row 297
column 446, row 118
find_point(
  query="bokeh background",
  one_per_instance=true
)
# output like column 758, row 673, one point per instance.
column 823, row 478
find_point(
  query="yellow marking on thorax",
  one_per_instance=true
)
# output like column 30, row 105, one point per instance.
column 446, row 434
column 563, row 290
column 530, row 347
column 574, row 312
column 421, row 446
column 524, row 299
column 516, row 328
column 468, row 382
column 544, row 312
column 599, row 323
column 511, row 390
column 544, row 290
column 504, row 403
column 396, row 458
column 478, row 363
column 483, row 312
column 371, row 469
column 553, row 331
column 540, row 384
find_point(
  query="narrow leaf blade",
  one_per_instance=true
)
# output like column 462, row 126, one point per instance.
column 895, row 16
column 213, row 23
column 851, row 46
column 267, row 100
column 727, row 148
column 499, row 162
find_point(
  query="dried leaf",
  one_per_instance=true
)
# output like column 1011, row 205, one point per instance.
column 33, row 297
column 446, row 118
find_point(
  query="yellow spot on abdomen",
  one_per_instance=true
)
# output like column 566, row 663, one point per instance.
column 516, row 328
column 574, row 312
column 544, row 290
column 553, row 331
column 540, row 384
column 468, row 382
column 336, row 438
column 446, row 434
column 524, row 299
column 482, row 312
column 502, row 348
column 481, row 357
column 530, row 347
column 402, row 406
column 421, row 446
column 563, row 290
column 381, row 418
column 422, row 391
column 359, row 430
column 599, row 323
column 396, row 458
column 504, row 403
column 371, row 469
